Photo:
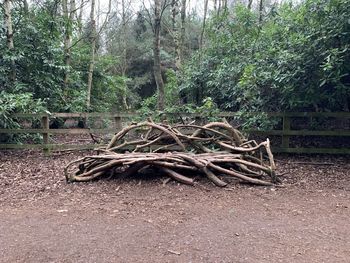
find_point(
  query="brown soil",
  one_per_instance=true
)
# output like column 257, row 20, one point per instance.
column 43, row 219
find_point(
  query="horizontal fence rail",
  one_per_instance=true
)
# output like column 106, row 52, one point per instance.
column 286, row 133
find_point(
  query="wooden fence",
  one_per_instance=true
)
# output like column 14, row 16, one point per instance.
column 286, row 133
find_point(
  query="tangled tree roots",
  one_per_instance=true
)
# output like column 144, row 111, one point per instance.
column 214, row 150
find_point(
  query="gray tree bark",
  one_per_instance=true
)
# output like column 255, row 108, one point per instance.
column 219, row 7
column 224, row 4
column 9, row 36
column 156, row 53
column 124, row 59
column 176, row 36
column 25, row 6
column 203, row 24
column 92, row 53
column 261, row 8
column 80, row 18
column 183, row 32
column 68, row 14
column 250, row 4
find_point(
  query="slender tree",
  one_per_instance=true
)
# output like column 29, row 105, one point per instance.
column 219, row 7
column 176, row 36
column 80, row 17
column 66, row 43
column 25, row 6
column 69, row 11
column 156, row 54
column 261, row 8
column 183, row 31
column 93, row 35
column 9, row 36
column 250, row 2
column 203, row 24
column 124, row 63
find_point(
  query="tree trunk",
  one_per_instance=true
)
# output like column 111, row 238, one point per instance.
column 67, row 44
column 224, row 4
column 156, row 51
column 98, row 14
column 80, row 17
column 175, row 11
column 261, row 7
column 69, row 14
column 215, row 5
column 250, row 4
column 183, row 32
column 219, row 7
column 203, row 25
column 92, row 53
column 124, row 59
column 73, row 10
column 9, row 36
column 25, row 6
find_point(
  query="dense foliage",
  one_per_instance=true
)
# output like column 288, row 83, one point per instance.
column 296, row 58
column 12, row 103
column 288, row 57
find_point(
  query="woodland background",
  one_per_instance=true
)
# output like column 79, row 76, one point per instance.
column 174, row 56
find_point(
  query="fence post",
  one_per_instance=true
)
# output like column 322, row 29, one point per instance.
column 118, row 123
column 45, row 125
column 286, row 128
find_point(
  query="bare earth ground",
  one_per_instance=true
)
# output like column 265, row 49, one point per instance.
column 44, row 219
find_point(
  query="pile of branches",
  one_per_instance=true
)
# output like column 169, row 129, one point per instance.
column 181, row 152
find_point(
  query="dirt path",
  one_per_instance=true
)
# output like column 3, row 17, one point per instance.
column 42, row 219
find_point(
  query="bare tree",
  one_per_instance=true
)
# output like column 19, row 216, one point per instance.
column 66, row 44
column 124, row 63
column 25, row 6
column 156, row 54
column 183, row 32
column 261, row 7
column 250, row 2
column 155, row 20
column 80, row 17
column 93, row 35
column 175, row 33
column 203, row 24
column 68, row 14
column 9, row 36
column 219, row 7
column 224, row 4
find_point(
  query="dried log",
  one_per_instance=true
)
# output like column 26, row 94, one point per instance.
column 240, row 176
column 212, row 177
column 235, row 135
column 177, row 176
column 121, row 134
